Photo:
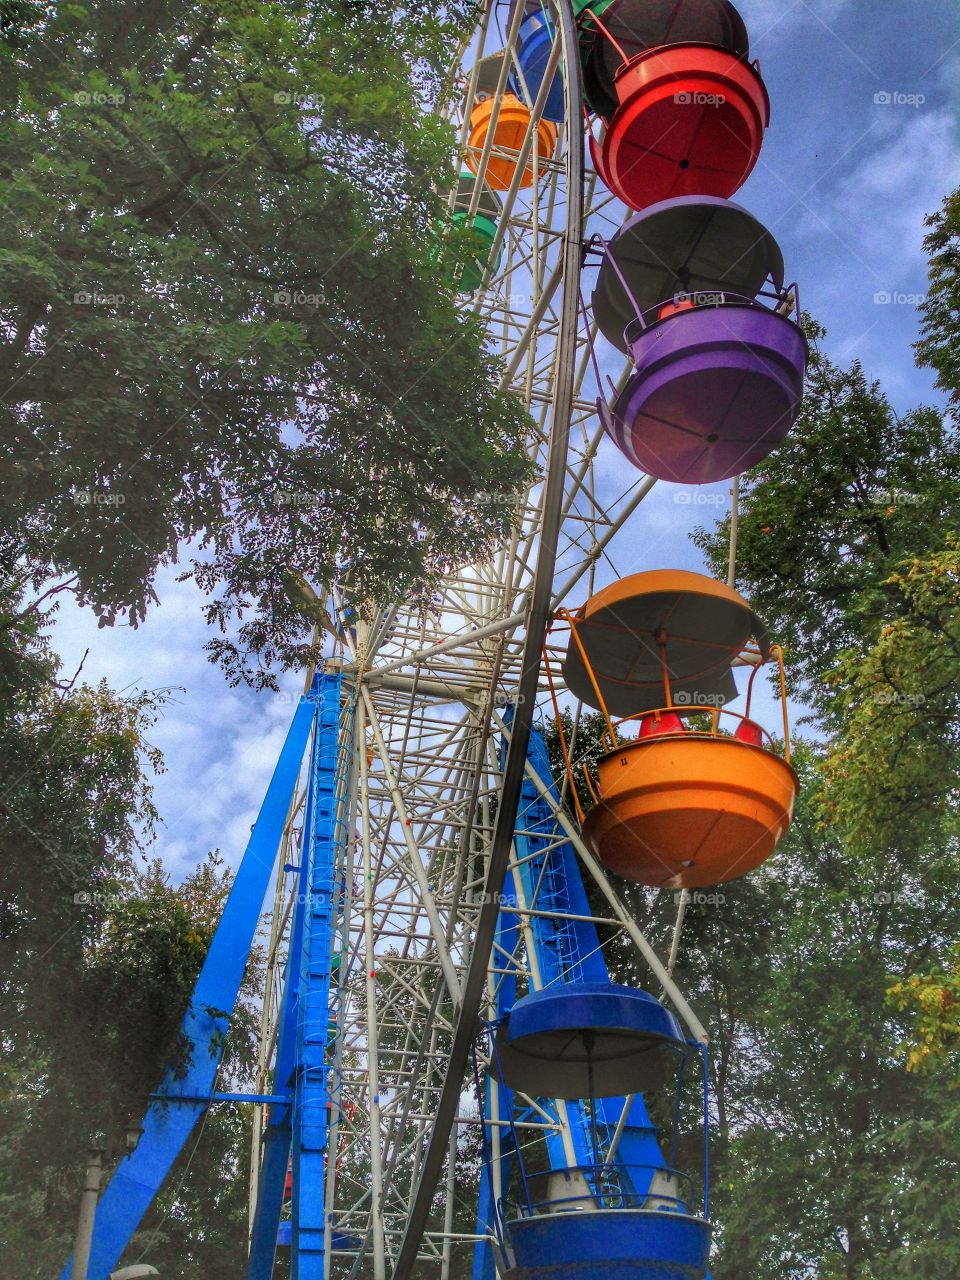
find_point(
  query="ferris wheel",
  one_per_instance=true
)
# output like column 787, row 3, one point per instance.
column 448, row 1080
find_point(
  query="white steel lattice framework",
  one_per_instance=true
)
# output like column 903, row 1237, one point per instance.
column 420, row 771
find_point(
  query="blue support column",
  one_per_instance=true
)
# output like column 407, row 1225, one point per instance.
column 310, row 1105
column 567, row 951
column 508, row 936
column 277, row 1136
column 168, row 1124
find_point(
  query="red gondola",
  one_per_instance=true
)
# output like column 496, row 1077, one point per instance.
column 689, row 120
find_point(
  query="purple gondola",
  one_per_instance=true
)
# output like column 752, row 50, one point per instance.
column 718, row 374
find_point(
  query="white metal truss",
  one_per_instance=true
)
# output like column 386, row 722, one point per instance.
column 427, row 684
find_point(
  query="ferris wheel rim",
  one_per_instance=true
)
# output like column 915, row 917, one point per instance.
column 535, row 630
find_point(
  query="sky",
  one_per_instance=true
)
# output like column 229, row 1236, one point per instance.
column 864, row 141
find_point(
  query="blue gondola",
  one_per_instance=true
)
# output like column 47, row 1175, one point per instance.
column 534, row 44
column 605, row 1219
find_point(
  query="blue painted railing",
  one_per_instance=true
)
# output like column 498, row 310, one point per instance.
column 567, row 950
column 180, row 1101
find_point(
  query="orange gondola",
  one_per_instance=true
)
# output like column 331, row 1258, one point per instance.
column 702, row 794
column 509, row 119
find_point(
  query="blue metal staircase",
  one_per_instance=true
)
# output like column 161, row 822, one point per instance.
column 567, row 949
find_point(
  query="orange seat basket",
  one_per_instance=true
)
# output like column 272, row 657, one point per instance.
column 689, row 811
column 511, row 129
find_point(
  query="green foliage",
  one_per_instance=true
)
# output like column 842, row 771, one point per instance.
column 894, row 766
column 220, row 317
column 75, row 798
column 934, row 1000
column 833, row 1155
column 831, row 514
column 98, row 953
column 828, row 978
column 939, row 345
column 198, row 1223
column 585, row 743
column 82, row 1057
column 824, row 1145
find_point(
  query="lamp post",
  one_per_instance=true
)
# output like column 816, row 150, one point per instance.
column 88, row 1210
column 88, row 1205
column 134, row 1134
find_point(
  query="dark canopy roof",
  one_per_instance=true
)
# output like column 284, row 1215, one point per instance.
column 559, row 1041
column 637, row 25
column 706, row 625
column 692, row 244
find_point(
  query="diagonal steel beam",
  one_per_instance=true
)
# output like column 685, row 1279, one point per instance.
column 474, row 986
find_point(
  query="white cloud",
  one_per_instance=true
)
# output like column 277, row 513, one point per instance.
column 875, row 212
column 775, row 20
column 894, row 188
column 220, row 745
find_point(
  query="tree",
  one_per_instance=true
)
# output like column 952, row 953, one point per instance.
column 853, row 491
column 198, row 1222
column 222, row 318
column 85, row 1063
column 834, row 1157
column 827, row 979
column 821, row 1161
column 829, row 1158
column 75, row 802
column 934, row 1000
column 98, row 952
column 894, row 767
column 938, row 347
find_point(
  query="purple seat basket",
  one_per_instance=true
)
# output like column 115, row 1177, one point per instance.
column 714, row 391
